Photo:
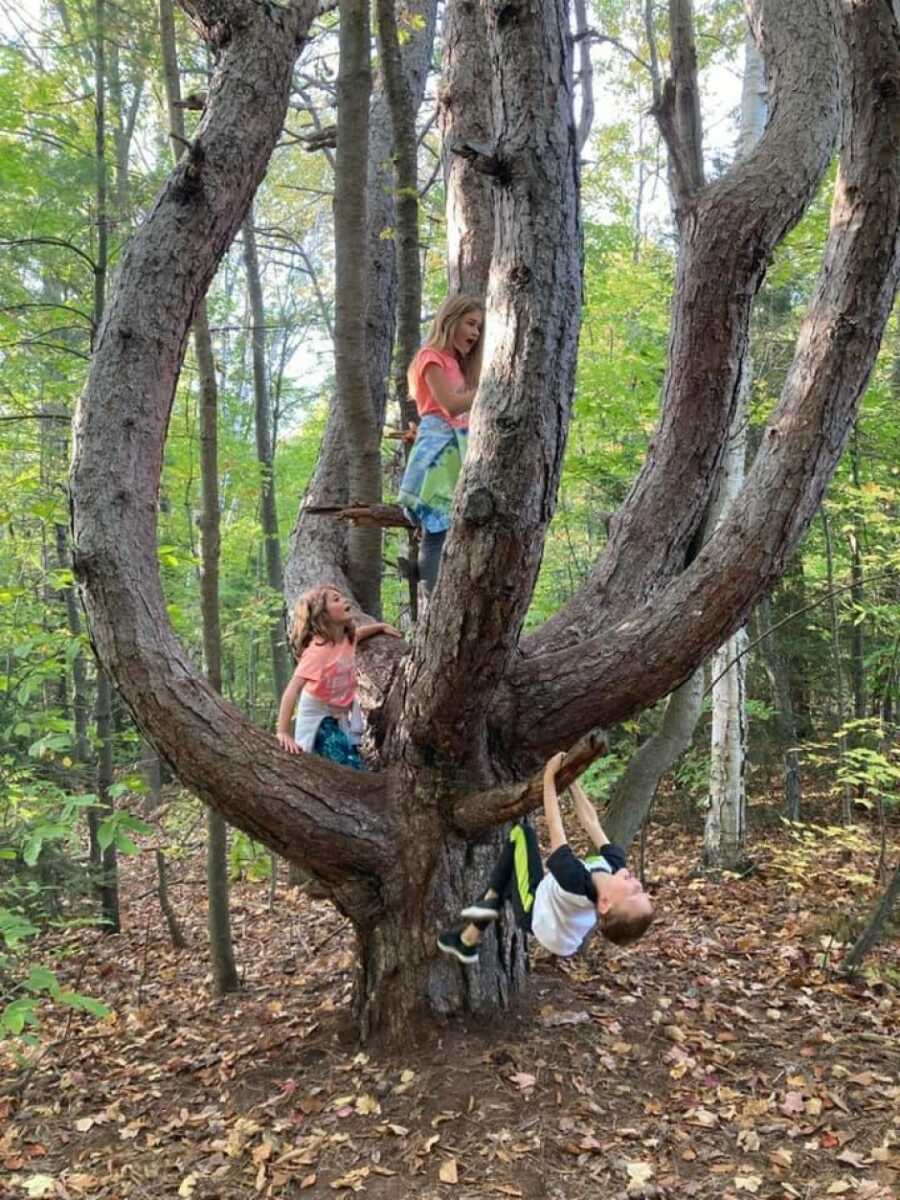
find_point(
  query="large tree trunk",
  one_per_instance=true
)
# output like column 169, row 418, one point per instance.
column 401, row 837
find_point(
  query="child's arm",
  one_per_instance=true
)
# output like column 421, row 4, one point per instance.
column 452, row 402
column 286, row 711
column 587, row 815
column 555, row 826
column 367, row 631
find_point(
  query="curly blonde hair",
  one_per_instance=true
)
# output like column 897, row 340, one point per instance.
column 441, row 333
column 309, row 618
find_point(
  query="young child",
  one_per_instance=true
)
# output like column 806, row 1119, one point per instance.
column 443, row 379
column 563, row 906
column 323, row 639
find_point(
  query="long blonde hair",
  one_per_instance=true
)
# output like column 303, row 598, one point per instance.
column 441, row 333
column 309, row 618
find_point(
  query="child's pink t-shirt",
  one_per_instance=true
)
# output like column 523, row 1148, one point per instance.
column 424, row 397
column 329, row 672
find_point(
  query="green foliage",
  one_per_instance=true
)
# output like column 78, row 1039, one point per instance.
column 247, row 859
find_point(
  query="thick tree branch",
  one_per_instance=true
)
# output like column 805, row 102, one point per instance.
column 678, row 109
column 478, row 813
column 727, row 240
column 606, row 678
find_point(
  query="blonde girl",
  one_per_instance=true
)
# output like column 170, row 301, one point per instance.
column 323, row 639
column 443, row 380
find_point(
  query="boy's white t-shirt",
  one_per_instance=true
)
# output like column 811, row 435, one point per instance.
column 563, row 916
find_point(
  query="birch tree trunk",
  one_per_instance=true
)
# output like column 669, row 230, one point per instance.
column 779, row 677
column 725, row 823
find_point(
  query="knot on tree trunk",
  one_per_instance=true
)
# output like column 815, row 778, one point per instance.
column 479, row 506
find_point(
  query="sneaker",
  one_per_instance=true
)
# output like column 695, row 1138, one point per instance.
column 483, row 910
column 450, row 942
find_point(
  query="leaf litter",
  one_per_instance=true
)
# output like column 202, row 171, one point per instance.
column 722, row 1057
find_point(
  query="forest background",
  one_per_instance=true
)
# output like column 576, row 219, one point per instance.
column 86, row 140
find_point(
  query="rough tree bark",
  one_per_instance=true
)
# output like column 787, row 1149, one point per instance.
column 218, row 913
column 394, row 847
column 466, row 123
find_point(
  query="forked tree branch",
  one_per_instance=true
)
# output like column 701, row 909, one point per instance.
column 604, row 679
column 726, row 244
column 480, row 812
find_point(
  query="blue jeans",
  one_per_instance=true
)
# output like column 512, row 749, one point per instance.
column 430, row 551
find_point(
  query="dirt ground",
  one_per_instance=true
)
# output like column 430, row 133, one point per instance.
column 721, row 1057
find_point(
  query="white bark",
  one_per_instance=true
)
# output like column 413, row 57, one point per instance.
column 724, row 830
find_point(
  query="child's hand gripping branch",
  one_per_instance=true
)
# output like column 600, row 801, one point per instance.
column 324, row 638
column 561, row 907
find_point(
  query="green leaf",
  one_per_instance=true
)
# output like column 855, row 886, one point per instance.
column 40, row 979
column 86, row 1003
column 106, row 833
column 17, row 1015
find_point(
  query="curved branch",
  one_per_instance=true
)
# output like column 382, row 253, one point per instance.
column 474, row 815
column 641, row 658
column 328, row 818
column 729, row 231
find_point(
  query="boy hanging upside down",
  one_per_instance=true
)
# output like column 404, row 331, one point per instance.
column 563, row 906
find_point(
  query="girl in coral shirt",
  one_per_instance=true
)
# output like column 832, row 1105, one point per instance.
column 443, row 379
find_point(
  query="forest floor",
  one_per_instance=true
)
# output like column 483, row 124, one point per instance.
column 722, row 1056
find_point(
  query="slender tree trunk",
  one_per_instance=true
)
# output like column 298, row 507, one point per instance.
column 109, row 867
column 319, row 544
column 109, row 885
column 855, row 537
column 875, row 927
column 633, row 796
column 838, row 671
column 265, row 454
column 363, row 430
column 221, row 947
column 725, row 825
column 585, row 75
column 403, row 108
column 779, row 678
column 165, row 903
